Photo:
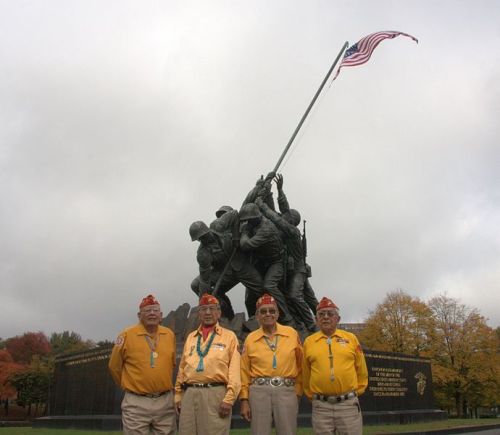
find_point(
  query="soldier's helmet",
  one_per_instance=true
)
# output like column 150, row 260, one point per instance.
column 223, row 209
column 197, row 230
column 292, row 216
column 249, row 211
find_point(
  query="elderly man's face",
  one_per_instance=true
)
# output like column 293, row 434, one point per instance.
column 327, row 320
column 267, row 315
column 209, row 315
column 150, row 315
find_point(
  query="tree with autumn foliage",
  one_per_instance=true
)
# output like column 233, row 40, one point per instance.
column 400, row 324
column 23, row 347
column 30, row 354
column 465, row 357
column 8, row 368
column 464, row 350
column 27, row 364
column 32, row 383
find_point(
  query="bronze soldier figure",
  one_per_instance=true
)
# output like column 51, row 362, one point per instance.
column 214, row 252
column 284, row 207
column 262, row 240
column 211, row 258
column 240, row 268
column 223, row 209
column 294, row 284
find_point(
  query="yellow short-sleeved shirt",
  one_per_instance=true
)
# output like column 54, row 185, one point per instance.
column 349, row 365
column 130, row 361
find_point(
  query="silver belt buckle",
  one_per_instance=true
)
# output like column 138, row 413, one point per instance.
column 276, row 381
column 260, row 381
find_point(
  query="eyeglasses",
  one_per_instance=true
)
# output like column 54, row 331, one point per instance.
column 208, row 308
column 267, row 311
column 151, row 310
column 327, row 314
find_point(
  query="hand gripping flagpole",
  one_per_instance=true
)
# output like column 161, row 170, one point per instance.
column 289, row 144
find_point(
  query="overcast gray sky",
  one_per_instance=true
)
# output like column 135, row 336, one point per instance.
column 122, row 122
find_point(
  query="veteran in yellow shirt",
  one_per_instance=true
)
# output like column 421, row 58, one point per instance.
column 208, row 381
column 271, row 379
column 142, row 363
column 334, row 374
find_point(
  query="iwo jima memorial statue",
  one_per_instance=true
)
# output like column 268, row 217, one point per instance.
column 260, row 246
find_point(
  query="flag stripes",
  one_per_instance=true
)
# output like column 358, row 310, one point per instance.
column 361, row 52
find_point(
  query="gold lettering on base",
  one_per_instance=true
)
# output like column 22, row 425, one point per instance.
column 387, row 382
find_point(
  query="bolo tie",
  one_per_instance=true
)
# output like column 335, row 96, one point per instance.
column 152, row 348
column 203, row 354
column 273, row 347
column 330, row 357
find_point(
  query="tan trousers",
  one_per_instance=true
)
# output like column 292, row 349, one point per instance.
column 268, row 403
column 342, row 418
column 145, row 415
column 200, row 412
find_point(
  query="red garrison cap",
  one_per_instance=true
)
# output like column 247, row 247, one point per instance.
column 265, row 299
column 149, row 300
column 326, row 303
column 207, row 299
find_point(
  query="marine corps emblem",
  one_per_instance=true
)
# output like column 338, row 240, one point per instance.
column 421, row 382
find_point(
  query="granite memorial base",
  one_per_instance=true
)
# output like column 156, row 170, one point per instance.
column 83, row 395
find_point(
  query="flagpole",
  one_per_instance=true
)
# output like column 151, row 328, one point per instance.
column 217, row 284
column 310, row 107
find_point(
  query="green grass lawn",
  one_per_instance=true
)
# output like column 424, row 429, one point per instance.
column 368, row 430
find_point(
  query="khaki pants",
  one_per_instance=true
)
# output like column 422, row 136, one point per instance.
column 145, row 415
column 200, row 412
column 343, row 418
column 268, row 403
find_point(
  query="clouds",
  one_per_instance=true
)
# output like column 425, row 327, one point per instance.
column 122, row 124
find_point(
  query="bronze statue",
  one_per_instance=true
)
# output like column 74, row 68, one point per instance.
column 261, row 238
column 260, row 248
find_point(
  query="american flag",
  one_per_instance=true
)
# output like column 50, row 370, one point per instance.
column 361, row 52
